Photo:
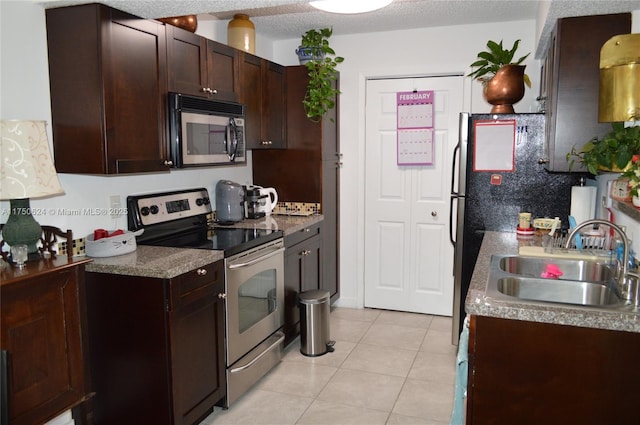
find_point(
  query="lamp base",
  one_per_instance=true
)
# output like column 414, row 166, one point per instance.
column 21, row 228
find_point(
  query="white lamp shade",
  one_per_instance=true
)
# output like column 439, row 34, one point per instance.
column 26, row 167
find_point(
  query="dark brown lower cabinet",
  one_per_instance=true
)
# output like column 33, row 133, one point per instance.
column 156, row 347
column 537, row 373
column 302, row 272
column 42, row 319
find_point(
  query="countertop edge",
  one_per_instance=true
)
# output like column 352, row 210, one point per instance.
column 479, row 304
column 167, row 263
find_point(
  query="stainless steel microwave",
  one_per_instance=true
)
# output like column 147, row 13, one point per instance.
column 205, row 132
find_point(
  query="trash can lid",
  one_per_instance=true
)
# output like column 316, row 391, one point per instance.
column 316, row 296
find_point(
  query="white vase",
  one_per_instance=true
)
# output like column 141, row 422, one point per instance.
column 636, row 201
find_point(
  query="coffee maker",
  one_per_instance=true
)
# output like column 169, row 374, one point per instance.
column 254, row 202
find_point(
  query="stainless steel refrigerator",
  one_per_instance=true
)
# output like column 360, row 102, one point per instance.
column 491, row 200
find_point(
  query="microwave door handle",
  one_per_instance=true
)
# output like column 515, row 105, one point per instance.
column 232, row 133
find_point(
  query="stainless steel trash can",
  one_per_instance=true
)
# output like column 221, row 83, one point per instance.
column 314, row 323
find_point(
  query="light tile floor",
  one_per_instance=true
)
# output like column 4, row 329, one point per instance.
column 388, row 368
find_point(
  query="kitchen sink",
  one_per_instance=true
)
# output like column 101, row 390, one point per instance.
column 558, row 291
column 581, row 270
column 578, row 282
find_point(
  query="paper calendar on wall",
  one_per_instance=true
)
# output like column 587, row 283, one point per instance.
column 415, row 127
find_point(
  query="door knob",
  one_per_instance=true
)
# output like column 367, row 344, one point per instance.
column 222, row 296
column 434, row 213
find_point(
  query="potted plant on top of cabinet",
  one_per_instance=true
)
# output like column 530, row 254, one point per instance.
column 503, row 79
column 319, row 58
column 613, row 152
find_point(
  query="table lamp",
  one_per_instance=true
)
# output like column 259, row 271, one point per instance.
column 26, row 171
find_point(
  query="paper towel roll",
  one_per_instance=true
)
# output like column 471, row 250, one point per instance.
column 583, row 203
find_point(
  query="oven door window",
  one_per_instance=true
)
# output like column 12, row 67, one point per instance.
column 256, row 299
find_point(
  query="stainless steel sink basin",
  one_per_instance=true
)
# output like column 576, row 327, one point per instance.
column 584, row 283
column 582, row 270
column 558, row 291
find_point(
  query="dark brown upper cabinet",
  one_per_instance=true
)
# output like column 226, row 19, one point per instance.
column 201, row 67
column 108, row 81
column 263, row 93
column 570, row 84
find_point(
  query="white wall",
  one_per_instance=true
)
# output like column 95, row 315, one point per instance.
column 24, row 83
column 417, row 52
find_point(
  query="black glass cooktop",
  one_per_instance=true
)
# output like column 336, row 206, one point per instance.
column 231, row 240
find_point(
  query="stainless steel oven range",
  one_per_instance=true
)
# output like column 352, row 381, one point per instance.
column 254, row 276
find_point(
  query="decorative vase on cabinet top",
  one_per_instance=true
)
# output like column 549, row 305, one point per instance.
column 187, row 22
column 505, row 89
column 241, row 33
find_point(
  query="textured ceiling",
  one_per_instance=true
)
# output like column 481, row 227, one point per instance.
column 286, row 19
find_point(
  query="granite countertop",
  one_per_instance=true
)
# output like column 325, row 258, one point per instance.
column 289, row 224
column 167, row 263
column 155, row 261
column 479, row 304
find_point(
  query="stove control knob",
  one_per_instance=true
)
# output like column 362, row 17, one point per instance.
column 200, row 202
column 154, row 209
column 206, row 200
column 144, row 210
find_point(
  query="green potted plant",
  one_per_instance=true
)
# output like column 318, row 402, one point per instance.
column 633, row 174
column 613, row 152
column 321, row 61
column 503, row 78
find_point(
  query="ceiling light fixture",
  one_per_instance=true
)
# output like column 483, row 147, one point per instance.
column 350, row 6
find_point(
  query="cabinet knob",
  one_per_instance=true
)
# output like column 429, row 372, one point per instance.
column 209, row 91
column 222, row 296
column 305, row 252
column 543, row 161
column 339, row 163
column 201, row 272
column 307, row 230
column 168, row 163
column 266, row 142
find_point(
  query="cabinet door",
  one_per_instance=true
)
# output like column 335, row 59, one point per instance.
column 41, row 333
column 572, row 105
column 538, row 373
column 197, row 342
column 186, row 62
column 108, row 81
column 252, row 98
column 223, row 71
column 135, row 97
column 274, row 105
column 301, row 273
column 330, row 279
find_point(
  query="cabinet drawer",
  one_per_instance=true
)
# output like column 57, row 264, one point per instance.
column 301, row 235
column 195, row 284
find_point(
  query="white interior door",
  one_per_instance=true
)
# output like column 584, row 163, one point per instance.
column 408, row 258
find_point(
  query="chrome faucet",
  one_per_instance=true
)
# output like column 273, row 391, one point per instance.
column 623, row 270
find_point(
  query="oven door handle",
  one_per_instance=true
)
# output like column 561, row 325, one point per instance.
column 233, row 266
column 259, row 356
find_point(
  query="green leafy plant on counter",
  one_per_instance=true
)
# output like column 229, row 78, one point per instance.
column 495, row 57
column 321, row 89
column 611, row 153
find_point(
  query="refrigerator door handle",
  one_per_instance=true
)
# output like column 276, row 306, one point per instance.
column 453, row 168
column 451, row 231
